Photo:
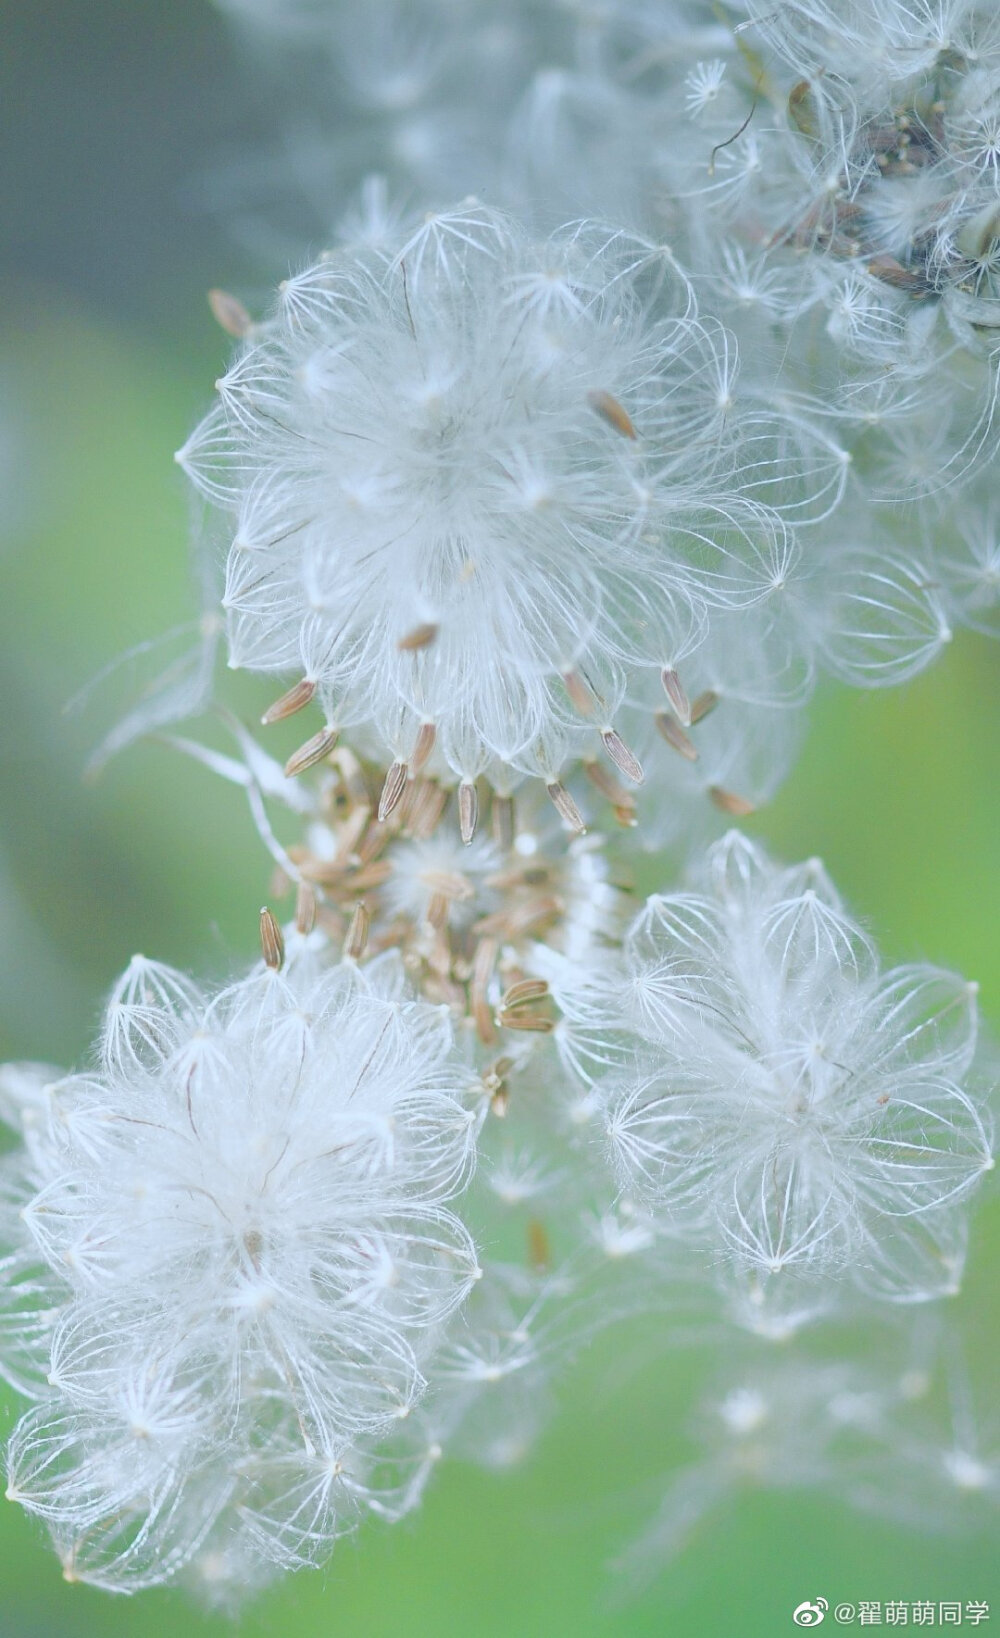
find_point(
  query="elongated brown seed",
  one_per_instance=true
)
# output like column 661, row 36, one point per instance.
column 528, row 1023
column 802, row 108
column 349, row 835
column 892, row 272
column 729, row 802
column 438, row 906
column 372, row 875
column 523, row 993
column 704, row 703
column 580, row 693
column 420, row 637
column 272, row 944
column 676, row 694
column 305, row 908
column 357, row 933
column 424, row 811
column 468, row 810
column 512, row 923
column 565, row 806
column 502, row 821
column 392, row 790
column 313, row 751
column 539, row 1250
column 673, row 733
column 289, row 703
column 230, row 313
column 604, row 781
column 610, row 410
column 482, row 971
column 423, row 745
column 624, row 760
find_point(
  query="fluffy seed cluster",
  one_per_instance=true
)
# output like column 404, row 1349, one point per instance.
column 582, row 488
column 774, row 1098
column 483, row 485
column 386, row 859
column 232, row 1254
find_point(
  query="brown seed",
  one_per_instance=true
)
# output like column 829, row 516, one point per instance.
column 357, row 934
column 674, row 690
column 529, row 1023
column 609, row 409
column 624, row 760
column 289, row 703
column 372, row 842
column 892, row 272
column 606, row 782
column 323, row 872
column 580, row 693
column 371, row 875
column 675, row 736
column 522, row 875
column 704, row 703
column 438, row 906
column 468, row 810
column 392, row 790
column 271, row 942
column 423, row 745
column 229, row 313
column 482, row 971
column 502, row 821
column 523, row 992
column 802, row 108
column 305, row 908
column 565, row 806
column 512, row 923
column 539, row 1250
column 425, row 809
column 420, row 637
column 625, row 816
column 349, row 835
column 313, row 751
column 729, row 802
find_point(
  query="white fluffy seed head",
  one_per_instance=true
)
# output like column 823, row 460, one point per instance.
column 502, row 446
column 776, row 1096
column 242, row 1218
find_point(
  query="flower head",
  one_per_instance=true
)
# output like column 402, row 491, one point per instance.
column 776, row 1098
column 242, row 1216
column 482, row 485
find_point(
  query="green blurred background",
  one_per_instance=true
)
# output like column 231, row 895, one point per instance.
column 113, row 111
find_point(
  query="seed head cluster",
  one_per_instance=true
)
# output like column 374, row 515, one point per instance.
column 650, row 375
column 236, row 1250
column 776, row 1099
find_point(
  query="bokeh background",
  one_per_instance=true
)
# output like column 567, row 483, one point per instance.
column 115, row 112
